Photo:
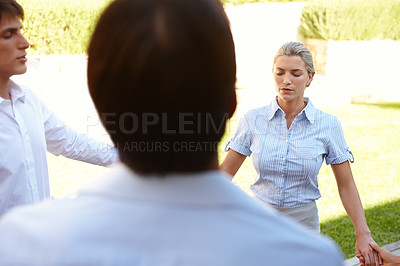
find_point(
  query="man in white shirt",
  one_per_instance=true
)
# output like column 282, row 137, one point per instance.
column 164, row 73
column 28, row 128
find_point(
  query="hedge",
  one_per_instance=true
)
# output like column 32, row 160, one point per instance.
column 60, row 26
column 351, row 19
column 65, row 26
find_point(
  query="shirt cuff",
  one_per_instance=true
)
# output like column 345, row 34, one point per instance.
column 347, row 156
column 237, row 148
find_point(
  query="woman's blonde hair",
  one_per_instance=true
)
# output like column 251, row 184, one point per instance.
column 297, row 49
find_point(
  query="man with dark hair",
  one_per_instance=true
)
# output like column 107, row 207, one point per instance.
column 28, row 128
column 172, row 80
column 162, row 76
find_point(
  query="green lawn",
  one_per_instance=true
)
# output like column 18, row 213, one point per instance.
column 373, row 134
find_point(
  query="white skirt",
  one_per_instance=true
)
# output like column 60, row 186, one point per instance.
column 306, row 215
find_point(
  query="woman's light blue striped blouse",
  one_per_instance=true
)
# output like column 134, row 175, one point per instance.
column 287, row 161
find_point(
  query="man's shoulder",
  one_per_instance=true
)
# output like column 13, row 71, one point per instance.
column 241, row 232
column 289, row 243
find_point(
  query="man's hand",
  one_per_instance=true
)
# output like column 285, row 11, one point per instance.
column 389, row 259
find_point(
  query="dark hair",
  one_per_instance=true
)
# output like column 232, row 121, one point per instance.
column 11, row 7
column 162, row 76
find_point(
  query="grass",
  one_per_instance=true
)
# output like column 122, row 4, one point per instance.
column 68, row 176
column 372, row 132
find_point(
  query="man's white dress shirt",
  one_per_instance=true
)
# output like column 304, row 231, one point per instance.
column 27, row 130
column 181, row 219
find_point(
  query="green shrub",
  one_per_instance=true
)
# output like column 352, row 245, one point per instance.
column 351, row 19
column 65, row 26
column 60, row 26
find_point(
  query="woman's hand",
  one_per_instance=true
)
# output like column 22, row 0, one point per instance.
column 364, row 252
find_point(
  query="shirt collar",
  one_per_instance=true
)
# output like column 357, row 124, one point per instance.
column 17, row 92
column 273, row 109
column 308, row 111
column 205, row 188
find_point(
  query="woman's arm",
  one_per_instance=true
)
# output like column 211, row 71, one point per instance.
column 232, row 162
column 351, row 202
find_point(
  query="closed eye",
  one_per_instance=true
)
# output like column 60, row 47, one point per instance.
column 297, row 72
column 9, row 33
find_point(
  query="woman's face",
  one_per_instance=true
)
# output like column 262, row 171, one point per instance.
column 291, row 77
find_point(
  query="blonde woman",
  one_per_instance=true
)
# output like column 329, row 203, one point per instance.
column 289, row 140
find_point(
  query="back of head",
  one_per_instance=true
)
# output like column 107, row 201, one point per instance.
column 297, row 49
column 11, row 7
column 162, row 76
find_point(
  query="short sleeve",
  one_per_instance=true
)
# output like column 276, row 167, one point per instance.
column 242, row 140
column 338, row 151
